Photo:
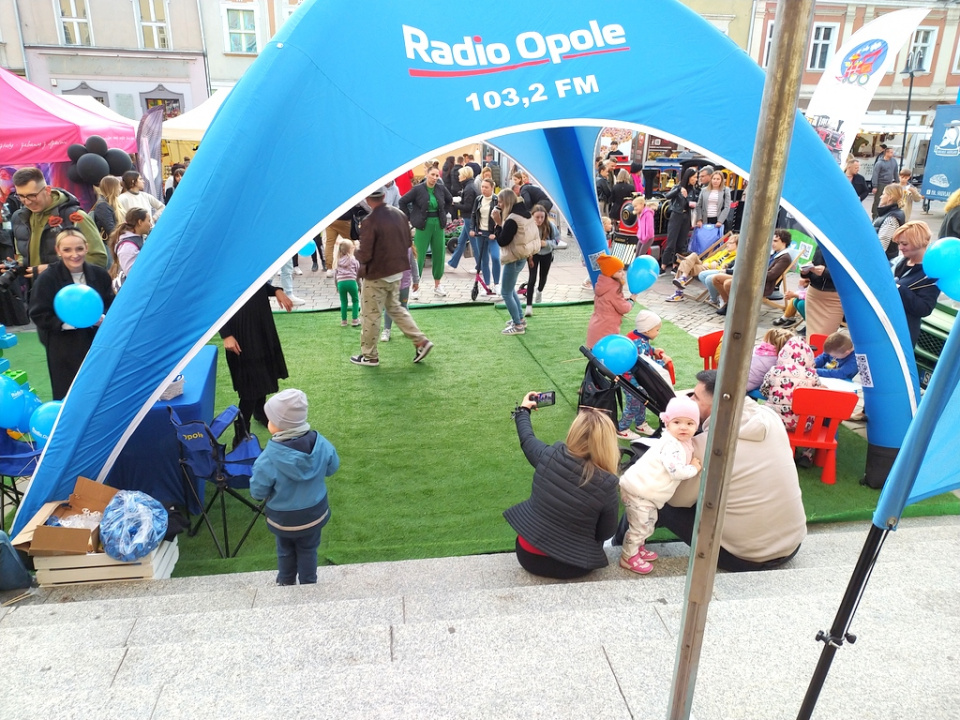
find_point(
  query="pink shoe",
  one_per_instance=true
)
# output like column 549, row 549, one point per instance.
column 648, row 555
column 636, row 564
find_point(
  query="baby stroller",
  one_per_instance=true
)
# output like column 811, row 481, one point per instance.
column 601, row 388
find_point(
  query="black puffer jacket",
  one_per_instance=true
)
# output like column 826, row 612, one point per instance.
column 415, row 204
column 566, row 520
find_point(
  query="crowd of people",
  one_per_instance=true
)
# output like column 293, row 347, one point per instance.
column 375, row 253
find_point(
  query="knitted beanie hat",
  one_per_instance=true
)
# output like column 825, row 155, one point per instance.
column 647, row 320
column 287, row 409
column 609, row 265
column 681, row 407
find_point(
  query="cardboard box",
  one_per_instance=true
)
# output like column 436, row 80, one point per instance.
column 41, row 540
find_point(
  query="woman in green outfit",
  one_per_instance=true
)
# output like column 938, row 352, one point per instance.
column 426, row 206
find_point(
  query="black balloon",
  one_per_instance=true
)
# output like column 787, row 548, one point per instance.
column 118, row 161
column 92, row 168
column 76, row 151
column 73, row 174
column 96, row 144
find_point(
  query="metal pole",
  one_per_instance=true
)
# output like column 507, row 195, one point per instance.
column 774, row 131
column 906, row 122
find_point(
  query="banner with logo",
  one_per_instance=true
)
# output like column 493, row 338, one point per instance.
column 853, row 75
column 941, row 177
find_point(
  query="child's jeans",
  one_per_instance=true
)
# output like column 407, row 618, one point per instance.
column 404, row 300
column 297, row 556
column 634, row 411
column 641, row 516
column 348, row 288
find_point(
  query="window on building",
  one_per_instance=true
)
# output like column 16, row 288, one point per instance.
column 956, row 61
column 921, row 48
column 821, row 45
column 154, row 32
column 768, row 45
column 75, row 21
column 240, row 30
column 171, row 106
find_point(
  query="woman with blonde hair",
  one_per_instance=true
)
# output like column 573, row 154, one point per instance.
column 951, row 221
column 66, row 345
column 918, row 292
column 106, row 210
column 518, row 238
column 573, row 503
column 890, row 216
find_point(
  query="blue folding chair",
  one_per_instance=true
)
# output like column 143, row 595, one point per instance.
column 17, row 460
column 203, row 459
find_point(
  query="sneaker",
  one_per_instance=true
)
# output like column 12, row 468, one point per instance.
column 440, row 291
column 676, row 297
column 681, row 282
column 385, row 335
column 627, row 434
column 297, row 271
column 329, row 273
column 645, row 429
column 780, row 321
column 648, row 555
column 789, row 322
column 713, row 303
column 297, row 300
column 528, row 312
column 722, row 310
column 356, row 322
column 512, row 329
column 316, row 266
column 538, row 297
column 343, row 323
column 496, row 288
column 364, row 360
column 423, row 349
column 636, row 564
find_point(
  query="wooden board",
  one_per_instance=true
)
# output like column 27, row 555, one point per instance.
column 98, row 567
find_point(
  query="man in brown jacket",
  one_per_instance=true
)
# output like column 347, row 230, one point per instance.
column 384, row 256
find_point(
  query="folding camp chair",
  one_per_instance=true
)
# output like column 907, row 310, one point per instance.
column 17, row 460
column 204, row 459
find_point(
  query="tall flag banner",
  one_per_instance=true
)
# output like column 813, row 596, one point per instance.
column 149, row 163
column 853, row 75
column 941, row 177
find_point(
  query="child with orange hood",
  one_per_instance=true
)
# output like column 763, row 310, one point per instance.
column 609, row 304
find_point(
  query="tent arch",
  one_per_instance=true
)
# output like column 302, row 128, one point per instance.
column 290, row 140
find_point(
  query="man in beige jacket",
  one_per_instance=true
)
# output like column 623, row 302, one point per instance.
column 765, row 521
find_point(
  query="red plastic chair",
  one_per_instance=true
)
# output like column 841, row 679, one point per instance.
column 816, row 342
column 708, row 348
column 826, row 409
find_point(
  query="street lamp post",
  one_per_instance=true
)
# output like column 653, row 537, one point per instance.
column 909, row 69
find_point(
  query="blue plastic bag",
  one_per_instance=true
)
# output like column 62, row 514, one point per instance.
column 133, row 525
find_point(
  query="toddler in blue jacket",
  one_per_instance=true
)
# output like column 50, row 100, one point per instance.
column 290, row 475
column 837, row 359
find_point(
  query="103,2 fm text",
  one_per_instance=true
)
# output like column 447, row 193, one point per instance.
column 509, row 97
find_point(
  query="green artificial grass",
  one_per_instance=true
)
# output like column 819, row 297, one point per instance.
column 429, row 452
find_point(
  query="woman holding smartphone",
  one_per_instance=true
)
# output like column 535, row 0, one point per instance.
column 573, row 503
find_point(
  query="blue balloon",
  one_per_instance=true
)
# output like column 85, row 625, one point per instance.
column 11, row 402
column 617, row 353
column 30, row 403
column 949, row 285
column 78, row 305
column 42, row 421
column 640, row 277
column 309, row 249
column 648, row 262
column 942, row 259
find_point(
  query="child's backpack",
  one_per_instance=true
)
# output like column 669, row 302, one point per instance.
column 598, row 391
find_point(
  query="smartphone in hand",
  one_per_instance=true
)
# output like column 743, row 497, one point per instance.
column 546, row 398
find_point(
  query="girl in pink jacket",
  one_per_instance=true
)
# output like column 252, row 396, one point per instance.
column 609, row 304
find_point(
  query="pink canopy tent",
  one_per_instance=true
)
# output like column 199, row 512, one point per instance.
column 38, row 127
